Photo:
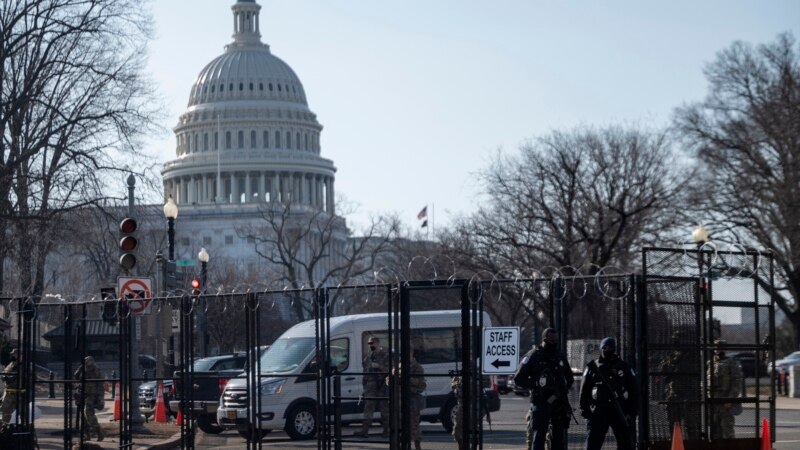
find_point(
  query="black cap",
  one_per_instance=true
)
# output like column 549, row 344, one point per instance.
column 609, row 342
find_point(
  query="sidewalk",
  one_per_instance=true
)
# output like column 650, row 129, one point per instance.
column 50, row 429
column 782, row 402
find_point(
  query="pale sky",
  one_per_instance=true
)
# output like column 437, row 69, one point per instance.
column 416, row 96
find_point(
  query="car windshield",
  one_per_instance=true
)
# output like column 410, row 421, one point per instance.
column 286, row 354
column 203, row 365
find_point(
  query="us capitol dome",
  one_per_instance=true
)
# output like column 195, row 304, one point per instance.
column 247, row 144
column 248, row 135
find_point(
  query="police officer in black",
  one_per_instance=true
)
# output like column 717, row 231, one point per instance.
column 545, row 371
column 609, row 398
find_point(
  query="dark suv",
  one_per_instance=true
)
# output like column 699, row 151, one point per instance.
column 210, row 377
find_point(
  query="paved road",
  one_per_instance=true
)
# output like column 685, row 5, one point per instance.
column 507, row 432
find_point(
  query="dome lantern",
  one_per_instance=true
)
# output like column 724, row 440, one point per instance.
column 246, row 28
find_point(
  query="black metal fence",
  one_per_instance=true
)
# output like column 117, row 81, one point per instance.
column 697, row 304
column 666, row 322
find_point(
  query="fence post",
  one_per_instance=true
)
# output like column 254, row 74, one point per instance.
column 52, row 386
column 337, row 412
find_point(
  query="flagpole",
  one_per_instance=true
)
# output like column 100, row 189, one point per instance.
column 433, row 217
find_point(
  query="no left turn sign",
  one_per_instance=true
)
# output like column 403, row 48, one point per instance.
column 137, row 293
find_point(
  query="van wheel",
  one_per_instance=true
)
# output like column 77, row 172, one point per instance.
column 448, row 414
column 248, row 435
column 301, row 422
column 209, row 427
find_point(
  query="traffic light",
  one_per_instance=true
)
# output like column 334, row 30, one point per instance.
column 195, row 288
column 110, row 301
column 127, row 243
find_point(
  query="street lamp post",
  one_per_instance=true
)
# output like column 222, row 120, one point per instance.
column 201, row 315
column 171, row 213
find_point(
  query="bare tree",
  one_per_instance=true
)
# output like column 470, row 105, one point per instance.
column 571, row 202
column 73, row 103
column 746, row 133
column 307, row 248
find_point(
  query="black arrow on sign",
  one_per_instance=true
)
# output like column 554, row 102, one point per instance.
column 497, row 363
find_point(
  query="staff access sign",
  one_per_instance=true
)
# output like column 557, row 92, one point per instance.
column 500, row 349
column 137, row 292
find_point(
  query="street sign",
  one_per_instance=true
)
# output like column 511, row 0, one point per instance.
column 137, row 293
column 185, row 263
column 500, row 350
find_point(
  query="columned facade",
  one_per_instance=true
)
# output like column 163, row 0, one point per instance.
column 257, row 186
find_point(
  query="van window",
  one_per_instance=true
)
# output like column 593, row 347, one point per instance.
column 437, row 345
column 340, row 354
column 286, row 354
column 431, row 345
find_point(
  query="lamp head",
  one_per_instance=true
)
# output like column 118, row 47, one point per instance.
column 700, row 234
column 203, row 255
column 170, row 209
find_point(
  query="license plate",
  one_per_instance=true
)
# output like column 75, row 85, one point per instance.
column 232, row 415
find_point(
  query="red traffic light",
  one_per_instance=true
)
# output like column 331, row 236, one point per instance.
column 128, row 225
column 128, row 243
column 195, row 284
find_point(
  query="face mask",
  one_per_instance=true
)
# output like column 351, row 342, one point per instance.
column 608, row 352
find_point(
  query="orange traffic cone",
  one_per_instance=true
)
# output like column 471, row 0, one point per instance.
column 117, row 407
column 677, row 437
column 179, row 419
column 766, row 442
column 161, row 411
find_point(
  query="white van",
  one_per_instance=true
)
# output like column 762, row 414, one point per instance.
column 288, row 399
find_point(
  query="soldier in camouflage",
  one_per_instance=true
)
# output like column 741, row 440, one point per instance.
column 11, row 379
column 458, row 432
column 681, row 375
column 90, row 378
column 416, row 386
column 725, row 381
column 376, row 363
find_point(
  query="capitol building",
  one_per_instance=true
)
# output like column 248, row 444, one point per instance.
column 247, row 143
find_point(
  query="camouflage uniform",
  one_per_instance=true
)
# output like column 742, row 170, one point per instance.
column 682, row 384
column 374, row 388
column 458, row 434
column 725, row 382
column 10, row 377
column 416, row 387
column 93, row 394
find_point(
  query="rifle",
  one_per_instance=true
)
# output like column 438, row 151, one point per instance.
column 562, row 391
column 614, row 396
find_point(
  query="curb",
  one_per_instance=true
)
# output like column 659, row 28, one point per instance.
column 167, row 444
